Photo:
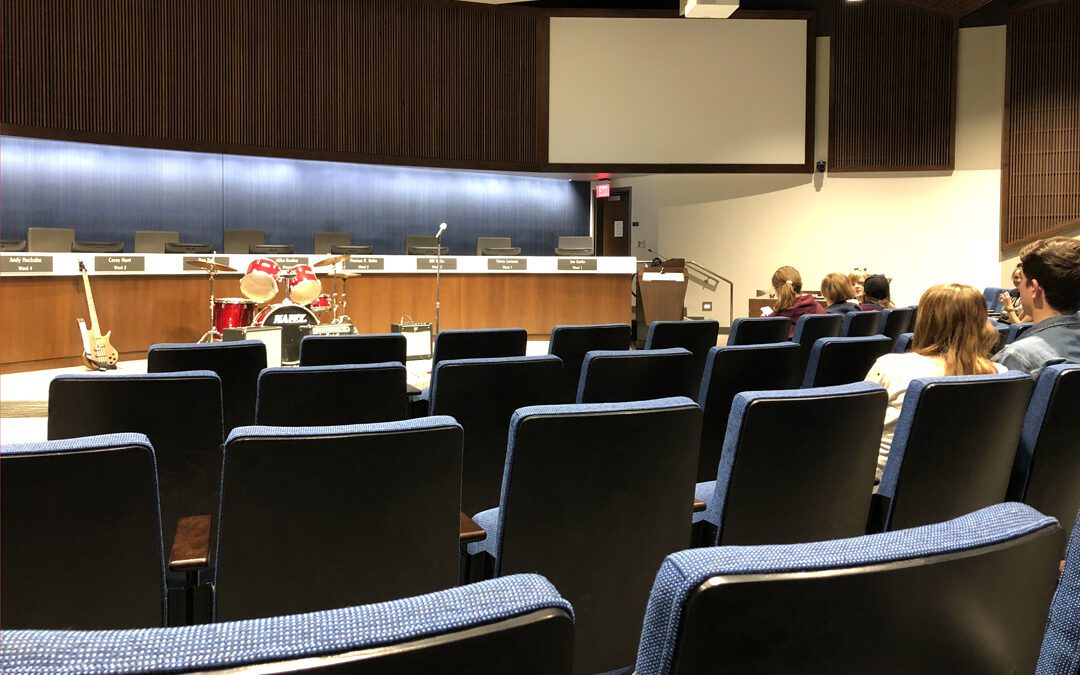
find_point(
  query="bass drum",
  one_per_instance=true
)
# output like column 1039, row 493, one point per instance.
column 289, row 318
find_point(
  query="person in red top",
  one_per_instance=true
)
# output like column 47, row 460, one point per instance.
column 791, row 302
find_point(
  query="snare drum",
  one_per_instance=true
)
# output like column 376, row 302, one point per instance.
column 321, row 304
column 260, row 282
column 232, row 313
column 304, row 286
column 289, row 318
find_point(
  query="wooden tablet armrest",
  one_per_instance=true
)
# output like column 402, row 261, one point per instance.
column 191, row 547
column 412, row 391
column 699, row 505
column 469, row 531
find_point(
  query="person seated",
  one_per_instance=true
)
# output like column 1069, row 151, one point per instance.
column 876, row 293
column 1050, row 295
column 839, row 295
column 857, row 278
column 952, row 337
column 1012, row 310
column 791, row 302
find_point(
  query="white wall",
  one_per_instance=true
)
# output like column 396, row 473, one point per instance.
column 919, row 228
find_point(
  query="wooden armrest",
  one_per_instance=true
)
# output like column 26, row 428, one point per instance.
column 699, row 505
column 411, row 390
column 469, row 531
column 191, row 547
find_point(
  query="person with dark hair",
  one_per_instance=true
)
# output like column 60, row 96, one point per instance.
column 1012, row 311
column 1050, row 294
column 791, row 302
column 839, row 294
column 876, row 293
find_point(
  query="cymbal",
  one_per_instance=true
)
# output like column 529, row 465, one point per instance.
column 345, row 275
column 331, row 261
column 209, row 265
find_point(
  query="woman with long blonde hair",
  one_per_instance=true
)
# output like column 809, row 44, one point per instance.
column 952, row 337
column 791, row 302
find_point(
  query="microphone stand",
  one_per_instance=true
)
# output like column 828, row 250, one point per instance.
column 438, row 281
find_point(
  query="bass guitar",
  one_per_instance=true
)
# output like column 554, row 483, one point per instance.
column 98, row 352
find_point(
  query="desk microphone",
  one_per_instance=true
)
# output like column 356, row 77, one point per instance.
column 442, row 227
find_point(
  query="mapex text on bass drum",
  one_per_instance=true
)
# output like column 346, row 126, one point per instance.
column 289, row 318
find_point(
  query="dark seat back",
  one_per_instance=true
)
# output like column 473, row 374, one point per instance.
column 571, row 343
column 334, row 350
column 81, row 535
column 695, row 336
column 482, row 395
column 843, row 360
column 965, row 596
column 759, row 330
column 179, row 412
column 782, row 485
column 327, row 395
column 953, row 448
column 1060, row 648
column 238, row 364
column 323, row 517
column 609, row 376
column 860, row 324
column 903, row 343
column 489, row 343
column 809, row 328
column 519, row 624
column 896, row 321
column 1046, row 473
column 729, row 371
column 574, row 508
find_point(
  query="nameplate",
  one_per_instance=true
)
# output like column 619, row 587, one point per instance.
column 26, row 263
column 432, row 263
column 222, row 260
column 119, row 263
column 576, row 264
column 288, row 261
column 507, row 264
column 361, row 263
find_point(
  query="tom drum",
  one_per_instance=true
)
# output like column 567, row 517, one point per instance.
column 260, row 281
column 233, row 313
column 305, row 286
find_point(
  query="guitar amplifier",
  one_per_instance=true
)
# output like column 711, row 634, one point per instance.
column 327, row 329
column 417, row 339
column 268, row 335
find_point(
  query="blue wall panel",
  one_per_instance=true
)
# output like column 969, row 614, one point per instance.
column 108, row 192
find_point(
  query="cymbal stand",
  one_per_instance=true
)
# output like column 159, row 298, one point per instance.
column 287, row 276
column 343, row 318
column 212, row 335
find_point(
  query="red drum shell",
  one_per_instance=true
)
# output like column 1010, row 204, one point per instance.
column 260, row 282
column 232, row 313
column 321, row 304
column 305, row 286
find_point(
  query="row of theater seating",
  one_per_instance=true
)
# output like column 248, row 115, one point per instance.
column 57, row 239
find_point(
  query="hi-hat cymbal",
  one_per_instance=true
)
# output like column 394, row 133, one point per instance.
column 345, row 275
column 331, row 261
column 209, row 265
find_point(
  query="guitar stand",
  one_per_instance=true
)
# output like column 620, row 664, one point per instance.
column 212, row 335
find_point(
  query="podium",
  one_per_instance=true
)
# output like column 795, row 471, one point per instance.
column 662, row 291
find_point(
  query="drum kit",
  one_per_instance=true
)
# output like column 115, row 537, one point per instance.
column 303, row 304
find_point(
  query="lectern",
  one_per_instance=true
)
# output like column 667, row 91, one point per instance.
column 662, row 291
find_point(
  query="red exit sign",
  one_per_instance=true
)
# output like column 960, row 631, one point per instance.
column 603, row 190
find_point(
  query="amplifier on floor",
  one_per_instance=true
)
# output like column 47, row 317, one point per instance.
column 327, row 329
column 268, row 335
column 417, row 339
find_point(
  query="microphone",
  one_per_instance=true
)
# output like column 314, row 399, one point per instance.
column 442, row 227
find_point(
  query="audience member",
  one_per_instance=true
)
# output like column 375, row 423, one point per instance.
column 839, row 295
column 1050, row 295
column 952, row 337
column 857, row 278
column 791, row 302
column 1012, row 310
column 876, row 293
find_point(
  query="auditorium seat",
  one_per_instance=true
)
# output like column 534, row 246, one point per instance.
column 316, row 518
column 575, row 246
column 81, row 534
column 992, row 296
column 860, row 324
column 1016, row 330
column 50, row 239
column 842, row 360
column 953, row 448
column 179, row 412
column 424, row 245
column 496, row 246
column 729, row 371
column 240, row 241
column 12, row 245
column 639, row 375
column 571, row 343
column 811, row 327
column 238, row 364
column 758, row 331
column 188, row 247
column 589, row 502
column 1060, row 653
column 903, row 343
column 896, row 321
column 153, row 241
column 482, row 395
column 326, row 395
column 1003, row 330
column 325, row 241
column 519, row 624
column 968, row 595
column 1046, row 472
column 333, row 350
column 484, row 343
column 696, row 336
column 271, row 249
column 796, row 466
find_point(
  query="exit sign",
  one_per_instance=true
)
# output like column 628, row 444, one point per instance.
column 603, row 190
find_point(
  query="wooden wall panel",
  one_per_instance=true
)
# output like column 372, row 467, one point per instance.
column 892, row 101
column 1041, row 150
column 395, row 81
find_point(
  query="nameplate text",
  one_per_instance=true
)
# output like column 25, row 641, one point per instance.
column 501, row 264
column 119, row 263
column 25, row 264
column 361, row 263
column 576, row 264
column 433, row 263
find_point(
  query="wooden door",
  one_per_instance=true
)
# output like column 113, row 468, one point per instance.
column 613, row 223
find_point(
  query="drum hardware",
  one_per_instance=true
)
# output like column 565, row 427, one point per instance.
column 341, row 318
column 209, row 265
column 212, row 268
